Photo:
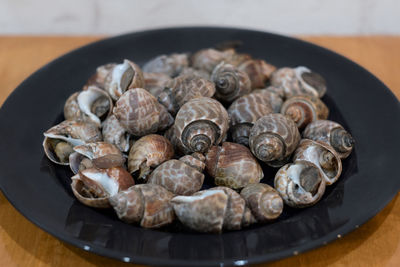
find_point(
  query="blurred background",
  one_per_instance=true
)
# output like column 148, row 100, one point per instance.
column 110, row 17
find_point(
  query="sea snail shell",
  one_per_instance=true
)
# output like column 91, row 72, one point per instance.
column 300, row 184
column 115, row 134
column 60, row 139
column 258, row 71
column 233, row 165
column 263, row 201
column 323, row 156
column 147, row 204
column 207, row 59
column 148, row 152
column 97, row 154
column 273, row 138
column 244, row 112
column 213, row 210
column 92, row 104
column 154, row 82
column 230, row 83
column 99, row 78
column 330, row 133
column 182, row 89
column 200, row 124
column 271, row 95
column 305, row 109
column 93, row 187
column 140, row 113
column 171, row 65
column 181, row 177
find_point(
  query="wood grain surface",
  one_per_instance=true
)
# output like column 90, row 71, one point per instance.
column 376, row 243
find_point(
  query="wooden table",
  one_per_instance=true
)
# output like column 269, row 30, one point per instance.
column 376, row 243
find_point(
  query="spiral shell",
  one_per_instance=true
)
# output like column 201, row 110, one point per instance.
column 300, row 184
column 299, row 81
column 330, row 133
column 271, row 95
column 181, row 177
column 230, row 83
column 263, row 201
column 60, row 139
column 99, row 78
column 201, row 123
column 154, row 82
column 115, row 134
column 92, row 104
column 233, row 165
column 188, row 71
column 147, row 204
column 258, row 71
column 207, row 59
column 182, row 89
column 171, row 65
column 323, row 156
column 244, row 112
column 273, row 138
column 305, row 109
column 93, row 187
column 140, row 113
column 148, row 152
column 123, row 77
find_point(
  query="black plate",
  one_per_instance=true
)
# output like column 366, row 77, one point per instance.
column 40, row 190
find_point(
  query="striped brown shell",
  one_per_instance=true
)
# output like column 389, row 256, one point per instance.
column 305, row 109
column 230, row 83
column 273, row 138
column 171, row 65
column 244, row 112
column 271, row 95
column 99, row 78
column 207, row 59
column 331, row 133
column 140, row 113
column 146, row 204
column 182, row 89
column 258, row 71
column 148, row 152
column 115, row 134
column 321, row 155
column 233, row 165
column 181, row 177
column 263, row 201
column 154, row 82
column 200, row 124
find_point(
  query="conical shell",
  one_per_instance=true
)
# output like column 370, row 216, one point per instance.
column 300, row 184
column 273, row 138
column 154, row 82
column 263, row 201
column 321, row 155
column 140, row 113
column 258, row 71
column 304, row 109
column 148, row 152
column 147, row 204
column 115, row 134
column 171, row 65
column 330, row 133
column 233, row 165
column 201, row 123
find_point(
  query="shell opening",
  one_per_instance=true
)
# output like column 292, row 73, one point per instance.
column 310, row 179
column 328, row 163
column 315, row 80
column 341, row 140
column 122, row 76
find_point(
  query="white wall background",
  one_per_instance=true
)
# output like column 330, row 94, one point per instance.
column 120, row 16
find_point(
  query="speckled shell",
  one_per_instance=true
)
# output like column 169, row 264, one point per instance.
column 198, row 118
column 272, row 96
column 147, row 204
column 140, row 113
column 179, row 177
column 171, row 65
column 96, row 192
column 73, row 132
column 195, row 72
column 99, row 78
column 263, row 201
column 273, row 138
column 103, row 155
column 115, row 134
column 287, row 182
column 258, row 71
column 233, row 165
column 207, row 59
column 182, row 89
column 154, row 82
column 244, row 112
column 305, row 109
column 148, row 152
column 299, row 81
column 230, row 83
column 312, row 151
column 330, row 133
column 113, row 81
column 80, row 105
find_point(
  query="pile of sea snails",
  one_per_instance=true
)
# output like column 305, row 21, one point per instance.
column 141, row 139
